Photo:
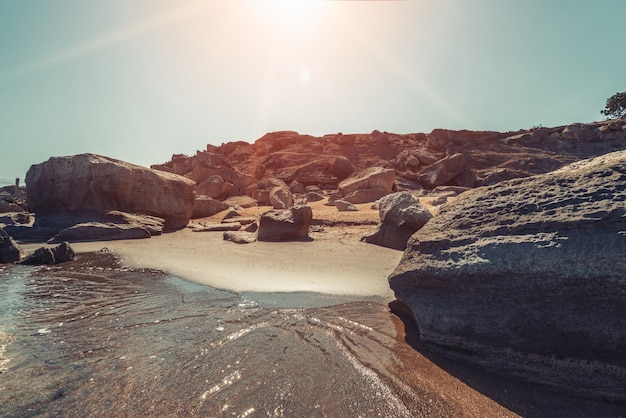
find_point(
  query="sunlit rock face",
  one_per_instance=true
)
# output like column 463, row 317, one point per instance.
column 88, row 182
column 529, row 276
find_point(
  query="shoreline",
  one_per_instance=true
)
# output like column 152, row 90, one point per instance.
column 335, row 263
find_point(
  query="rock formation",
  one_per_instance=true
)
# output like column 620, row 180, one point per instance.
column 92, row 183
column 285, row 224
column 56, row 255
column 528, row 276
column 368, row 185
column 401, row 214
column 9, row 250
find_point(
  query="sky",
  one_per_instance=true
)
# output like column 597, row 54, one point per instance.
column 141, row 80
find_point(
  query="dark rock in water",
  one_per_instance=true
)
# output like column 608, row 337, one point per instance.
column 285, row 224
column 59, row 254
column 9, row 250
column 87, row 182
column 401, row 214
column 529, row 276
column 97, row 231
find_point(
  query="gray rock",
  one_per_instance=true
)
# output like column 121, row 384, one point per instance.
column 343, row 206
column 528, row 276
column 240, row 237
column 285, row 224
column 97, row 231
column 365, row 195
column 401, row 214
column 443, row 171
column 56, row 255
column 9, row 250
column 313, row 197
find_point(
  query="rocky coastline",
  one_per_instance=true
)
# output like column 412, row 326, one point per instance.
column 513, row 242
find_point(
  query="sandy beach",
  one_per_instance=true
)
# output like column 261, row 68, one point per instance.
column 333, row 262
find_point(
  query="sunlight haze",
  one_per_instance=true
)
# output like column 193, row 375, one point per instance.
column 144, row 79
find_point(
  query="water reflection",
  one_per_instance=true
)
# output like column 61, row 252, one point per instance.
column 91, row 338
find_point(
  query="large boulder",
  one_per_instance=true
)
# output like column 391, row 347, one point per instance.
column 93, row 183
column 529, row 276
column 9, row 250
column 443, row 171
column 285, row 224
column 376, row 181
column 401, row 214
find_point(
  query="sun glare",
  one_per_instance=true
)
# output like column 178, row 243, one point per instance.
column 289, row 12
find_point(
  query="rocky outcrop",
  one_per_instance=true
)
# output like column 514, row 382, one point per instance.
column 285, row 224
column 368, row 185
column 528, row 276
column 56, row 255
column 212, row 187
column 92, row 183
column 401, row 214
column 9, row 250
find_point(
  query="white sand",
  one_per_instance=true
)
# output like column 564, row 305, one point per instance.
column 335, row 262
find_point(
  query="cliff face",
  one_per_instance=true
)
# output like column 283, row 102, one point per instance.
column 325, row 161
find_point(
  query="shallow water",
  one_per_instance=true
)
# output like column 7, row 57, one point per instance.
column 92, row 338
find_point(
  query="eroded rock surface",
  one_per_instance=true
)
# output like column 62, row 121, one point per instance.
column 529, row 276
column 88, row 182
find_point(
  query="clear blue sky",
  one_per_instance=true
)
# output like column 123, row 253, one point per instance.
column 140, row 80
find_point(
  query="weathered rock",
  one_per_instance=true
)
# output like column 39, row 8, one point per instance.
column 230, row 226
column 365, row 195
column 281, row 198
column 240, row 202
column 211, row 187
column 240, row 237
column 443, row 171
column 313, row 197
column 401, row 214
column 88, row 182
column 344, row 206
column 206, row 206
column 296, row 187
column 371, row 178
column 98, row 231
column 153, row 224
column 285, row 224
column 10, row 207
column 56, row 255
column 528, row 276
column 9, row 250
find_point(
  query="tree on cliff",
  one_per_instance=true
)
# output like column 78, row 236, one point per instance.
column 615, row 106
